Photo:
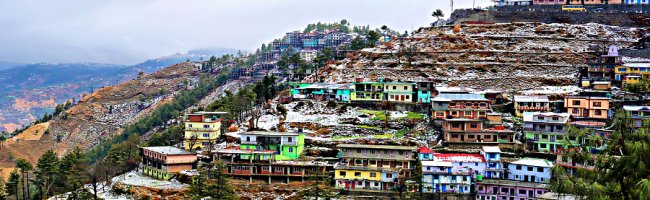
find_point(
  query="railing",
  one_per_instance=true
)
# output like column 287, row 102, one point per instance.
column 201, row 129
column 248, row 142
column 366, row 168
column 531, row 108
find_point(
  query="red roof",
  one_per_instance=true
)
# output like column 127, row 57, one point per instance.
column 459, row 157
column 424, row 149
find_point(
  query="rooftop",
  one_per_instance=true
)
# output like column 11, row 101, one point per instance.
column 446, row 89
column 637, row 64
column 503, row 182
column 270, row 133
column 244, row 151
column 537, row 162
column 459, row 97
column 437, row 163
column 537, row 98
column 491, row 149
column 586, row 97
column 208, row 113
column 636, row 108
column 457, row 157
column 530, row 116
column 168, row 150
column 424, row 149
column 366, row 146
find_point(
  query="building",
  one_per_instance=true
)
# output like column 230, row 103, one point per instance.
column 286, row 146
column 262, row 164
column 324, row 92
column 465, row 106
column 373, row 167
column 580, row 2
column 493, row 165
column 440, row 176
column 603, row 67
column 638, row 114
column 545, row 132
column 400, row 92
column 425, row 91
column 202, row 129
column 636, row 2
column 472, row 131
column 493, row 189
column 531, row 104
column 367, row 91
column 632, row 73
column 513, row 2
column 308, row 55
column 164, row 162
column 530, row 170
column 601, row 85
column 548, row 2
column 589, row 107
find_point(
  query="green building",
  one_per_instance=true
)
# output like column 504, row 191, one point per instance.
column 368, row 91
column 287, row 146
column 545, row 131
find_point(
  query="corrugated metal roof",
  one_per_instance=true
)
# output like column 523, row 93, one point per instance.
column 167, row 150
column 537, row 162
column 459, row 97
column 538, row 98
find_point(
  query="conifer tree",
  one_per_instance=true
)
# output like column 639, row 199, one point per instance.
column 24, row 167
column 47, row 171
column 13, row 184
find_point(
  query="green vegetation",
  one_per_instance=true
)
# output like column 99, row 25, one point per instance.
column 379, row 115
column 415, row 115
column 212, row 182
column 620, row 169
column 400, row 133
column 368, row 127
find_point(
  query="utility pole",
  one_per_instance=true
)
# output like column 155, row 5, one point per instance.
column 452, row 5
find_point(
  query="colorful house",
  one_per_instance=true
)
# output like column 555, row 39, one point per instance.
column 164, row 162
column 263, row 165
column 202, row 129
column 530, row 170
column 373, row 167
column 632, row 73
column 493, row 166
column 425, row 91
column 367, row 91
column 400, row 92
column 589, row 107
column 286, row 146
column 473, row 131
column 531, row 104
column 466, row 106
column 638, row 114
column 493, row 189
column 545, row 131
column 603, row 69
column 439, row 176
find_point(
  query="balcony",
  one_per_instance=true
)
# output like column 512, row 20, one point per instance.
column 532, row 108
column 202, row 129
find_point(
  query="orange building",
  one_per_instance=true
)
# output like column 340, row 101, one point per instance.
column 164, row 162
column 587, row 106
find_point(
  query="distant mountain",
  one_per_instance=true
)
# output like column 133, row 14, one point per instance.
column 6, row 64
column 29, row 91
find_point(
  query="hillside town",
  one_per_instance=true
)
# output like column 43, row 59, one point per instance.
column 462, row 109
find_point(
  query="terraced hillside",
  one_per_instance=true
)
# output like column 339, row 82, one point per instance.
column 493, row 56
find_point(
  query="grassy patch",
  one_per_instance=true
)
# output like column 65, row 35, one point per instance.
column 400, row 133
column 414, row 115
column 369, row 127
column 384, row 136
column 378, row 114
column 339, row 138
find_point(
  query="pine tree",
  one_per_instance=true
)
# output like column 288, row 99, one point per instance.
column 212, row 182
column 25, row 167
column 620, row 171
column 13, row 184
column 47, row 170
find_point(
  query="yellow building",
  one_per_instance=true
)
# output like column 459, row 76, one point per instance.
column 399, row 92
column 373, row 167
column 202, row 129
column 631, row 73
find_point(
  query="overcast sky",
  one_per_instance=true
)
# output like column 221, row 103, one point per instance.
column 131, row 31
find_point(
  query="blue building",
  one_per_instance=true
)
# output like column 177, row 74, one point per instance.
column 530, row 170
column 440, row 176
column 493, row 165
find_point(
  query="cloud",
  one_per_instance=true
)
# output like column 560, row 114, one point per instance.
column 130, row 31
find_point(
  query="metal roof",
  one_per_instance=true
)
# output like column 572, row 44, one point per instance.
column 168, row 150
column 636, row 108
column 436, row 163
column 530, row 116
column 367, row 146
column 537, row 162
column 270, row 133
column 459, row 97
column 537, row 98
column 491, row 149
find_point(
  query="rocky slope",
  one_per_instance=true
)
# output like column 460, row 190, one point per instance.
column 497, row 56
column 101, row 114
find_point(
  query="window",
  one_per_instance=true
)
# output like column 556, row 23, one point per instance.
column 454, row 136
column 504, row 190
column 389, row 175
column 406, row 87
column 522, row 191
column 540, row 169
column 530, row 169
column 372, row 151
column 483, row 104
column 455, row 125
column 376, row 184
column 408, row 96
column 518, row 167
column 481, row 113
column 428, row 168
column 439, row 114
column 544, row 136
column 206, row 126
column 540, row 117
column 598, row 112
column 400, row 152
column 190, row 125
column 290, row 149
column 575, row 111
column 474, row 125
column 575, row 102
column 205, row 135
column 597, row 104
column 439, row 103
column 341, row 173
column 373, row 174
column 468, row 113
column 385, row 151
column 357, row 174
column 468, row 104
column 470, row 136
column 248, row 139
column 452, row 104
column 290, row 139
column 392, row 97
column 394, row 87
column 542, row 126
column 358, row 150
column 542, row 145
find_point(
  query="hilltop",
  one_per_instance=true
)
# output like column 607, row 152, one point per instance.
column 509, row 56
